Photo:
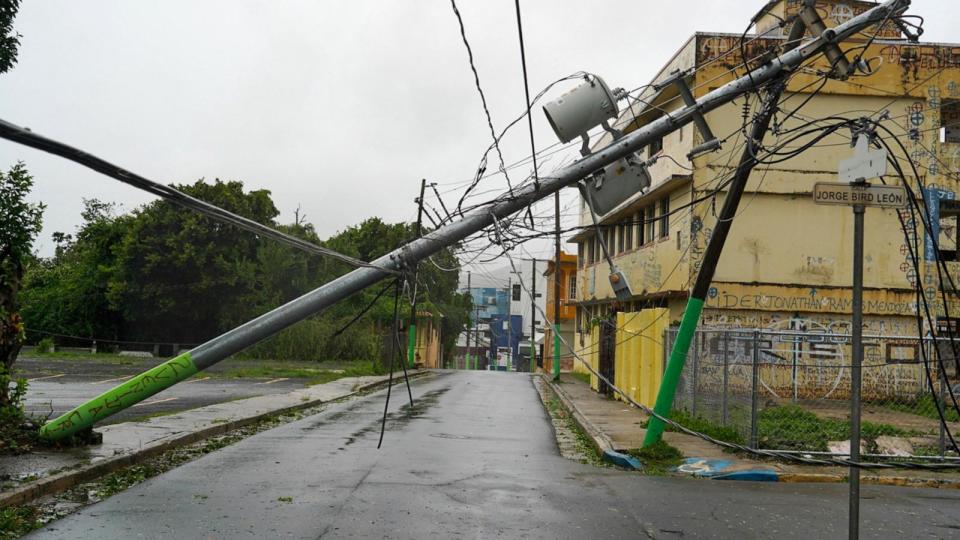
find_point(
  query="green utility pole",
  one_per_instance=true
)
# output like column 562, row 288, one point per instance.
column 691, row 316
column 412, row 347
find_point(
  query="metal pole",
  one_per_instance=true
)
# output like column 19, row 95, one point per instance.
column 466, row 356
column 726, row 375
column 696, row 368
column 755, row 392
column 412, row 347
column 533, row 317
column 185, row 365
column 510, row 320
column 857, row 333
column 941, row 403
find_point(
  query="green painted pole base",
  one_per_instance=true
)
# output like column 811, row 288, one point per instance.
column 671, row 377
column 412, row 347
column 556, row 352
column 119, row 398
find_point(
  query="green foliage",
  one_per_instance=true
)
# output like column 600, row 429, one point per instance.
column 659, row 458
column 791, row 427
column 165, row 274
column 16, row 521
column 926, row 406
column 20, row 222
column 9, row 39
column 702, row 425
column 45, row 346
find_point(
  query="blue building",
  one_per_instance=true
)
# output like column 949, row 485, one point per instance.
column 506, row 333
column 489, row 302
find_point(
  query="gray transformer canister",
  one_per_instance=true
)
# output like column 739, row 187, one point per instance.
column 581, row 109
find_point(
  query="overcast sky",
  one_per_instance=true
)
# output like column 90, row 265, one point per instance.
column 340, row 106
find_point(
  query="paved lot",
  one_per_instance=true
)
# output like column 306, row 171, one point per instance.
column 476, row 457
column 59, row 385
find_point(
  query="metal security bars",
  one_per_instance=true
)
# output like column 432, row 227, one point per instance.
column 789, row 390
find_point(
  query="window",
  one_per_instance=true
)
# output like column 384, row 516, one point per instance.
column 628, row 232
column 950, row 120
column 572, row 287
column 516, row 293
column 592, row 250
column 580, row 254
column 641, row 229
column 655, row 147
column 608, row 237
column 621, row 246
column 651, row 223
column 665, row 218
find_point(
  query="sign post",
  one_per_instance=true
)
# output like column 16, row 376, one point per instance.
column 856, row 192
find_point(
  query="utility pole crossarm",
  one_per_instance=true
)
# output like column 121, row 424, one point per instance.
column 268, row 324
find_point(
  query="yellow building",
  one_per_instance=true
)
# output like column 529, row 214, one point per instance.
column 787, row 263
column 568, row 312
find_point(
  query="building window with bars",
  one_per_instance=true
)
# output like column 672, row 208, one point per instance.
column 621, row 245
column 641, row 228
column 628, row 233
column 651, row 222
column 572, row 287
column 665, row 217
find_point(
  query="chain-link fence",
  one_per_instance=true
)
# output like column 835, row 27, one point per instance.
column 790, row 391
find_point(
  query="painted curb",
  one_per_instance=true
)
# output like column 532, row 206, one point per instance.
column 57, row 483
column 750, row 476
column 622, row 460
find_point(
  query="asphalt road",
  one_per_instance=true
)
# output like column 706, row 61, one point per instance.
column 475, row 458
column 58, row 385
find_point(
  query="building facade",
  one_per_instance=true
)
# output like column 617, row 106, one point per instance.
column 787, row 263
column 568, row 311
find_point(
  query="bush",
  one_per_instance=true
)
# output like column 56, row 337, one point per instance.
column 46, row 345
column 18, row 432
column 794, row 428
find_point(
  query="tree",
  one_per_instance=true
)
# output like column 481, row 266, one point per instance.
column 9, row 39
column 20, row 222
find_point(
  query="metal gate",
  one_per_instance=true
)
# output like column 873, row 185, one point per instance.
column 608, row 348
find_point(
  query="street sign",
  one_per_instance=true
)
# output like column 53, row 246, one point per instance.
column 865, row 163
column 867, row 195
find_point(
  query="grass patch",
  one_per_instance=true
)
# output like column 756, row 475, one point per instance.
column 583, row 444
column 17, row 521
column 924, row 406
column 702, row 425
column 790, row 427
column 313, row 375
column 659, row 458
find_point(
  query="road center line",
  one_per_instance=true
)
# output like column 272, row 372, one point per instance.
column 47, row 377
column 275, row 380
column 196, row 380
column 115, row 379
column 154, row 402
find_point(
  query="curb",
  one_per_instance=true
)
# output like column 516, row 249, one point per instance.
column 59, row 482
column 602, row 444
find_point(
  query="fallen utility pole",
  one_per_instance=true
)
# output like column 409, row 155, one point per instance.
column 181, row 367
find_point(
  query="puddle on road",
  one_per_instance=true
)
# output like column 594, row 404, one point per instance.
column 400, row 418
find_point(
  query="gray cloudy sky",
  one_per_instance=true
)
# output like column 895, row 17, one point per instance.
column 340, row 106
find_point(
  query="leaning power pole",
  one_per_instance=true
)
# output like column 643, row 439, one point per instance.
column 466, row 357
column 533, row 316
column 217, row 349
column 412, row 348
column 556, row 288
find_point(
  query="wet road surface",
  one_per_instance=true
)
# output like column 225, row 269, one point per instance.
column 57, row 386
column 476, row 457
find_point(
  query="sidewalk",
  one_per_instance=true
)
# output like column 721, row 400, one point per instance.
column 615, row 425
column 33, row 475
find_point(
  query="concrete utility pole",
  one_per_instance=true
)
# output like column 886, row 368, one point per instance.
column 412, row 349
column 533, row 316
column 556, row 288
column 510, row 320
column 466, row 358
column 187, row 364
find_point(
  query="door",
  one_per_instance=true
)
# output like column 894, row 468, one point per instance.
column 608, row 347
